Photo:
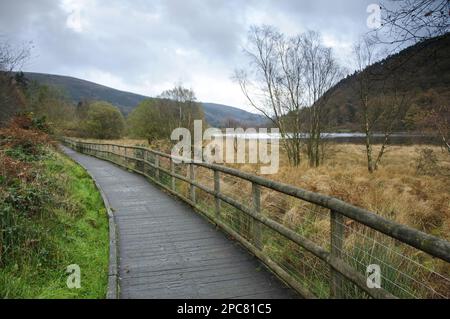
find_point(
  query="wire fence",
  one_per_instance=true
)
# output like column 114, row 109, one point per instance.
column 320, row 246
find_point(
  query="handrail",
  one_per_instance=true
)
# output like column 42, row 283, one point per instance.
column 425, row 242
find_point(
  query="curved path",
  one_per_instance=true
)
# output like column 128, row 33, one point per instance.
column 167, row 250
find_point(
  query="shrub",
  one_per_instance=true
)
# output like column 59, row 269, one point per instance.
column 427, row 162
column 23, row 139
column 104, row 121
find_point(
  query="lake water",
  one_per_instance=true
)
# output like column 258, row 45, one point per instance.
column 358, row 138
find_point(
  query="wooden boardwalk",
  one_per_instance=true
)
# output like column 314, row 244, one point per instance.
column 167, row 250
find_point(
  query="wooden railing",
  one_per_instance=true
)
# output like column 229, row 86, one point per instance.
column 262, row 230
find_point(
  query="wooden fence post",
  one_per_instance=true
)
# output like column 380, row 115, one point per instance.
column 139, row 154
column 157, row 167
column 172, row 170
column 337, row 241
column 216, row 192
column 146, row 166
column 192, row 179
column 257, row 231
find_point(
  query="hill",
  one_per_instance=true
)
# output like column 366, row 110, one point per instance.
column 418, row 68
column 219, row 115
column 77, row 90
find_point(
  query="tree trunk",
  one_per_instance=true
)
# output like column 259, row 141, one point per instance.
column 368, row 146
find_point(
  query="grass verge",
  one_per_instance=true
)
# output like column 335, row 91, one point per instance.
column 51, row 216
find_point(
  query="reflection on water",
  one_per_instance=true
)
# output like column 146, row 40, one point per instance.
column 358, row 138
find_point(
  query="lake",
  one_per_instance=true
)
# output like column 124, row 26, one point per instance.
column 358, row 138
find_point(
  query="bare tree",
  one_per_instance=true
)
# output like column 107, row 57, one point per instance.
column 383, row 100
column 13, row 58
column 406, row 22
column 439, row 117
column 182, row 101
column 287, row 76
column 365, row 54
column 273, row 83
column 12, row 99
column 410, row 21
column 431, row 114
column 185, row 99
column 321, row 72
column 392, row 105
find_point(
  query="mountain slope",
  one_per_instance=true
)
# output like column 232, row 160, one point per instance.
column 217, row 115
column 78, row 90
column 418, row 68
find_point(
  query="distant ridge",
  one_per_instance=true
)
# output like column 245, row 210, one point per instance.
column 424, row 66
column 216, row 114
column 78, row 90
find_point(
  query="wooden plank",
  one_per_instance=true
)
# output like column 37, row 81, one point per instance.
column 169, row 251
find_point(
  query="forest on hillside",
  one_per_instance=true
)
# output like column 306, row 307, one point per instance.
column 420, row 72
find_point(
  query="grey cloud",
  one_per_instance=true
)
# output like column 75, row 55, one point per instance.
column 164, row 41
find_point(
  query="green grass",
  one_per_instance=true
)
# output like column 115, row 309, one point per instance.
column 69, row 226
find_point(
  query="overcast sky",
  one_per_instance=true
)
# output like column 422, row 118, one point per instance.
column 148, row 46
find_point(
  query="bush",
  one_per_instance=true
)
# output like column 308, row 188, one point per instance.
column 104, row 121
column 155, row 119
column 23, row 139
column 427, row 163
column 22, row 190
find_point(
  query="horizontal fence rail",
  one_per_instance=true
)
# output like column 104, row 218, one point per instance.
column 319, row 245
